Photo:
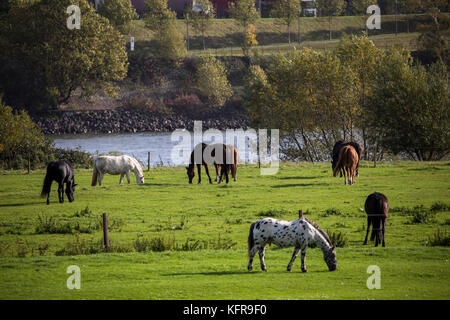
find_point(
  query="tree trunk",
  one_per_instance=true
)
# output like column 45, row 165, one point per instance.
column 329, row 24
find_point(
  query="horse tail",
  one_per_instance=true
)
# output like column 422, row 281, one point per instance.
column 94, row 176
column 235, row 163
column 251, row 241
column 378, row 211
column 47, row 185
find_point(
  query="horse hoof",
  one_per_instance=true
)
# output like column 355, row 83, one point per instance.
column 288, row 269
column 304, row 270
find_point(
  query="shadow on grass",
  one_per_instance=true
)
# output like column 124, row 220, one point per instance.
column 298, row 178
column 21, row 204
column 244, row 272
column 162, row 184
column 299, row 185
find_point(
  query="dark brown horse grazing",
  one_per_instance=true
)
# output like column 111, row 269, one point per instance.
column 337, row 148
column 225, row 159
column 61, row 172
column 377, row 209
column 347, row 161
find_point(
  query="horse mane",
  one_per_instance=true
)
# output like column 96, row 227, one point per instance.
column 323, row 233
column 137, row 166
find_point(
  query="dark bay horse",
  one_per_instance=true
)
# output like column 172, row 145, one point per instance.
column 347, row 161
column 226, row 159
column 377, row 209
column 337, row 148
column 61, row 172
column 230, row 163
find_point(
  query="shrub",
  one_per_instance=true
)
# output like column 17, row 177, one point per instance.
column 158, row 244
column 422, row 217
column 338, row 239
column 439, row 239
column 185, row 103
column 439, row 206
column 212, row 82
column 84, row 247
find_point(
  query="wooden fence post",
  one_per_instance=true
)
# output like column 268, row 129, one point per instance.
column 148, row 161
column 105, row 232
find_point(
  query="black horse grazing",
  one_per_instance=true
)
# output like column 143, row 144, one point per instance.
column 62, row 172
column 200, row 149
column 377, row 209
column 337, row 148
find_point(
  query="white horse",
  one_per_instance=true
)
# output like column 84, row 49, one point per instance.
column 298, row 233
column 116, row 165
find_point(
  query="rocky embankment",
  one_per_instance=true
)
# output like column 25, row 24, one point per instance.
column 128, row 121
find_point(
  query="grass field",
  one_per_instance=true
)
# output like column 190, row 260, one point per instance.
column 226, row 33
column 33, row 259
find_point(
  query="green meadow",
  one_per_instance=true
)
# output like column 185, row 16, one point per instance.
column 172, row 240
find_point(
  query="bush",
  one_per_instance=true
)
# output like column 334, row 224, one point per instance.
column 185, row 103
column 338, row 239
column 212, row 82
column 439, row 206
column 439, row 239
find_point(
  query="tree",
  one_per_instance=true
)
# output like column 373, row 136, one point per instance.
column 434, row 37
column 250, row 40
column 287, row 11
column 330, row 8
column 120, row 13
column 360, row 6
column 309, row 96
column 43, row 62
column 212, row 81
column 162, row 21
column 19, row 136
column 361, row 55
column 410, row 106
column 245, row 13
column 201, row 17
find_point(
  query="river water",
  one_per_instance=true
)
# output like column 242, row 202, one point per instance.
column 167, row 149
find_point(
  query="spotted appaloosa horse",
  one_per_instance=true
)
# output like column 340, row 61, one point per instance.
column 377, row 208
column 298, row 233
column 347, row 162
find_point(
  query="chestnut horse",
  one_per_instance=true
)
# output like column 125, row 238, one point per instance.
column 347, row 162
column 377, row 209
column 227, row 161
column 337, row 148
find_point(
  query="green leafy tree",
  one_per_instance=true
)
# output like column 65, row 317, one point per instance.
column 120, row 13
column 361, row 55
column 43, row 62
column 162, row 21
column 309, row 96
column 330, row 8
column 245, row 13
column 360, row 6
column 201, row 17
column 19, row 136
column 435, row 35
column 212, row 82
column 287, row 11
column 409, row 108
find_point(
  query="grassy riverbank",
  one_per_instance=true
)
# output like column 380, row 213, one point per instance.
column 35, row 239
